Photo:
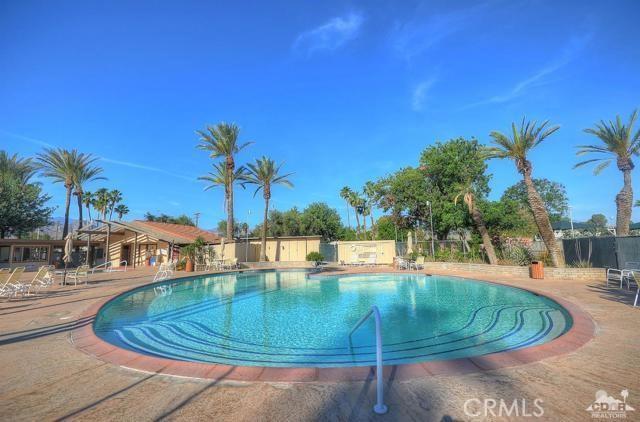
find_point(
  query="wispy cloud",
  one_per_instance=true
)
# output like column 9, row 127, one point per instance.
column 331, row 35
column 420, row 94
column 414, row 37
column 130, row 164
column 573, row 48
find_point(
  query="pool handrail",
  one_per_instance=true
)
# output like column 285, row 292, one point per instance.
column 380, row 408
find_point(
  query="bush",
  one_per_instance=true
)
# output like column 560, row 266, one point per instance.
column 315, row 257
column 518, row 255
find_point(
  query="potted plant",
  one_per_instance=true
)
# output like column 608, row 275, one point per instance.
column 316, row 257
column 189, row 253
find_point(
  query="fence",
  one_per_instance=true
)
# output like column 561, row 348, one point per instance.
column 602, row 252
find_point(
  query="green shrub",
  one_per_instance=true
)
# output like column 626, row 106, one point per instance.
column 315, row 257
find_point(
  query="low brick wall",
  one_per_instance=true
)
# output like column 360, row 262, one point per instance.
column 587, row 274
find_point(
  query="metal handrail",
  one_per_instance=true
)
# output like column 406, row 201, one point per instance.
column 380, row 408
column 106, row 266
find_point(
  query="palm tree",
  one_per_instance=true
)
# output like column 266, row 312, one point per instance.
column 222, row 141
column 345, row 192
column 61, row 166
column 87, row 200
column 516, row 148
column 372, row 199
column 620, row 144
column 101, row 202
column 352, row 200
column 114, row 197
column 121, row 210
column 85, row 172
column 218, row 178
column 264, row 173
column 469, row 197
column 21, row 169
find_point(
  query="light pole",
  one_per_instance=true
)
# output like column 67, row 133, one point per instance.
column 246, row 238
column 571, row 220
column 197, row 216
column 433, row 249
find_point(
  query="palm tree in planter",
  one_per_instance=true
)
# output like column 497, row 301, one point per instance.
column 219, row 178
column 523, row 139
column 85, row 172
column 61, row 166
column 621, row 144
column 264, row 173
column 121, row 210
column 222, row 141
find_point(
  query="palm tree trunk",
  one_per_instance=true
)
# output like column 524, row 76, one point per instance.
column 476, row 215
column 89, row 212
column 541, row 218
column 67, row 205
column 79, row 194
column 229, row 181
column 263, row 243
column 364, row 222
column 373, row 227
column 624, row 201
column 357, row 223
column 348, row 214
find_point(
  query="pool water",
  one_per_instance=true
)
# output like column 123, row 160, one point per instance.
column 294, row 319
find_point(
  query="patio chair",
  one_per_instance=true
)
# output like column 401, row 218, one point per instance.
column 622, row 275
column 44, row 278
column 403, row 264
column 418, row 264
column 10, row 284
column 82, row 272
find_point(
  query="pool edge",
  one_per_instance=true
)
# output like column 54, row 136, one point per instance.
column 85, row 340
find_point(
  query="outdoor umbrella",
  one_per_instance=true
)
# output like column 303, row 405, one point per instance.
column 409, row 243
column 68, row 249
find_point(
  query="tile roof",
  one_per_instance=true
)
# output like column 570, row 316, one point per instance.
column 178, row 231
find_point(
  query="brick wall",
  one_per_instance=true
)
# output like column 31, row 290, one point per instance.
column 515, row 271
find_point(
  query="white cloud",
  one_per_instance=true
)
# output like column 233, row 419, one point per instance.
column 575, row 46
column 330, row 35
column 420, row 94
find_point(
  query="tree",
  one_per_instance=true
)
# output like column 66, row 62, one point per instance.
column 522, row 140
column 238, row 229
column 507, row 218
column 619, row 143
column 85, row 172
column 22, row 204
column 121, row 210
column 345, row 192
column 222, row 141
column 386, row 229
column 264, row 173
column 100, row 202
column 456, row 170
column 371, row 198
column 352, row 200
column 219, row 178
column 597, row 223
column 553, row 194
column 87, row 200
column 320, row 219
column 62, row 166
column 114, row 198
column 183, row 219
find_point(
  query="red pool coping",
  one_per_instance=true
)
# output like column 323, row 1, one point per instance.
column 85, row 340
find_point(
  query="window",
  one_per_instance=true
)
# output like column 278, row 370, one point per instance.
column 30, row 253
column 4, row 253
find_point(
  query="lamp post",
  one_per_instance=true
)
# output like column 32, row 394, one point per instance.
column 246, row 238
column 571, row 220
column 433, row 249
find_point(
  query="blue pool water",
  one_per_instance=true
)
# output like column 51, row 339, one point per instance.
column 288, row 318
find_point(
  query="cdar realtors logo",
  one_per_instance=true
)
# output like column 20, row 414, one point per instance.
column 607, row 407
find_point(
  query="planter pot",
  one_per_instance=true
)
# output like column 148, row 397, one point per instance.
column 536, row 270
column 188, row 266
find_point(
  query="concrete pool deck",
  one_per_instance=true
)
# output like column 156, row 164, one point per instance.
column 45, row 377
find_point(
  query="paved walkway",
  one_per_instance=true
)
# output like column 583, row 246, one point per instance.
column 44, row 377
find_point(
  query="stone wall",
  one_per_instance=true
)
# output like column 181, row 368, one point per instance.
column 586, row 274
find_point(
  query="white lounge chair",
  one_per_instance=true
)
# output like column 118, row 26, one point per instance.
column 44, row 278
column 10, row 282
column 418, row 264
column 82, row 272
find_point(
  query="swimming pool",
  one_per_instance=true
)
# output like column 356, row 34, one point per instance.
column 292, row 319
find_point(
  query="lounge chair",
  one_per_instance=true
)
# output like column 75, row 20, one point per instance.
column 44, row 278
column 622, row 275
column 418, row 264
column 81, row 272
column 10, row 282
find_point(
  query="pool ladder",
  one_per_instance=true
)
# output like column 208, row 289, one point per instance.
column 380, row 408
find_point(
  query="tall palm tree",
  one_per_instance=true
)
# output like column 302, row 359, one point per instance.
column 121, row 210
column 523, row 139
column 87, row 200
column 222, row 141
column 101, row 202
column 345, row 192
column 61, row 165
column 114, row 197
column 621, row 144
column 264, row 173
column 352, row 200
column 22, row 169
column 371, row 197
column 469, row 198
column 219, row 178
column 85, row 172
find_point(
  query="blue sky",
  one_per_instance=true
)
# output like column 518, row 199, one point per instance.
column 342, row 92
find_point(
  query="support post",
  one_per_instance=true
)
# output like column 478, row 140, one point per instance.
column 135, row 250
